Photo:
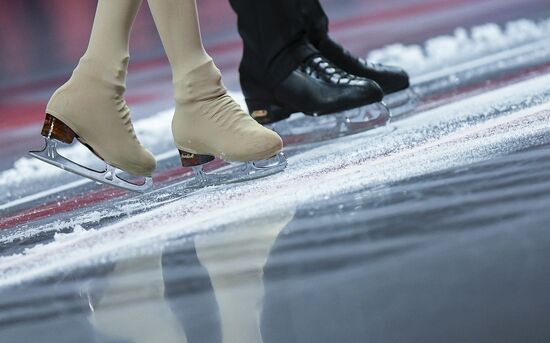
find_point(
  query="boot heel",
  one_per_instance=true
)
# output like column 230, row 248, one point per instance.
column 55, row 129
column 192, row 160
column 266, row 113
column 259, row 111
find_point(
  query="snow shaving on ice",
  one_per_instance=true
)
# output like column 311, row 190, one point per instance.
column 437, row 52
column 463, row 45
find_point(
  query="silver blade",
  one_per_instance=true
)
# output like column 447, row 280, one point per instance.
column 237, row 173
column 366, row 118
column 108, row 176
column 402, row 102
column 307, row 129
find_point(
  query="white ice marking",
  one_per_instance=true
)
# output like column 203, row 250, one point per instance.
column 464, row 45
column 541, row 47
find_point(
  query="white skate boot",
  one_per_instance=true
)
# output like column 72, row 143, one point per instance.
column 208, row 123
column 90, row 106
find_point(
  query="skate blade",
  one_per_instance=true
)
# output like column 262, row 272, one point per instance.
column 235, row 173
column 306, row 129
column 108, row 176
column 402, row 102
column 366, row 118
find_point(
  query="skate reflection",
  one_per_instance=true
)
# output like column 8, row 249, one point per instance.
column 132, row 306
column 142, row 300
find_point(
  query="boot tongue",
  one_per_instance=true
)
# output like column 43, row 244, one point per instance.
column 202, row 83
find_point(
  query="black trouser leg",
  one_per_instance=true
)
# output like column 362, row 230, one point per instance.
column 317, row 24
column 391, row 79
column 274, row 37
column 315, row 19
column 282, row 72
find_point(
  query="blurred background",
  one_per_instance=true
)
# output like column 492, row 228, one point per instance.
column 40, row 39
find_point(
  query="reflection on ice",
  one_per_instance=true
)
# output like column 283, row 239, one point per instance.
column 235, row 260
column 446, row 251
column 132, row 302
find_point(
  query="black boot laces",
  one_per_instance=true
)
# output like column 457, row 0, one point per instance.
column 321, row 69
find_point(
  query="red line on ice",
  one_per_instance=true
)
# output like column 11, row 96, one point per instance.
column 94, row 197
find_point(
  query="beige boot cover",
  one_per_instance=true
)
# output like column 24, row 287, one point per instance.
column 91, row 103
column 207, row 120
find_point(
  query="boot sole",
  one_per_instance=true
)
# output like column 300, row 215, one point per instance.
column 266, row 113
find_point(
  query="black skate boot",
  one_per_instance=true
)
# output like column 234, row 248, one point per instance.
column 316, row 87
column 391, row 79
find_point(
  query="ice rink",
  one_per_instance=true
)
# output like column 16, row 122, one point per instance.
column 432, row 228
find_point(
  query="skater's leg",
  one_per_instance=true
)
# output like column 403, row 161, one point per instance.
column 282, row 73
column 109, row 40
column 179, row 30
column 207, row 121
column 91, row 103
column 391, row 79
column 272, row 32
column 315, row 19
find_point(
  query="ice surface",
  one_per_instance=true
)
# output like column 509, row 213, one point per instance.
column 462, row 46
column 459, row 133
column 436, row 52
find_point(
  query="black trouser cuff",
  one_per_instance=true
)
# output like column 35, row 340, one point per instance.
column 286, row 62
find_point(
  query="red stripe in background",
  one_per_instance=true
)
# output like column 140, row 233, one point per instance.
column 399, row 13
column 16, row 59
column 95, row 197
column 225, row 47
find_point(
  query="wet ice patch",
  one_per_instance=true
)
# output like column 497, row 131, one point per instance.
column 463, row 45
